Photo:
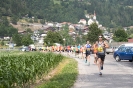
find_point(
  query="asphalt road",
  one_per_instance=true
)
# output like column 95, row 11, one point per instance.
column 124, row 63
column 115, row 74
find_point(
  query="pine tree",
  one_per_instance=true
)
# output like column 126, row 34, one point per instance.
column 93, row 33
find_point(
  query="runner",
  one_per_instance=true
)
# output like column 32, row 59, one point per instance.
column 52, row 48
column 75, row 50
column 83, row 52
column 78, row 50
column 102, row 45
column 72, row 49
column 68, row 50
column 88, row 48
column 60, row 49
column 95, row 47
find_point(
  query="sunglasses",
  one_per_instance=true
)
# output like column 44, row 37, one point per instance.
column 100, row 36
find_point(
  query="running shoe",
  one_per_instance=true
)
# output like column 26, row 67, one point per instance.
column 85, row 61
column 100, row 73
column 89, row 63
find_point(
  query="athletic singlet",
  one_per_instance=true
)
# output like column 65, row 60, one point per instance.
column 83, row 50
column 88, row 47
column 100, row 48
column 95, row 48
column 79, row 47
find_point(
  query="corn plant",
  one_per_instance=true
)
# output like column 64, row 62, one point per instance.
column 21, row 70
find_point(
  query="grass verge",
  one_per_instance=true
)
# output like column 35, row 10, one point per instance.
column 65, row 77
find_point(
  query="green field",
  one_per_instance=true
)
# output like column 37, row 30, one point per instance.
column 23, row 69
column 20, row 69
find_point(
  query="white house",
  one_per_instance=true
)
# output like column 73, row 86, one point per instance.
column 43, row 35
column 6, row 38
column 41, row 41
column 90, row 21
column 71, row 27
column 58, row 25
column 50, row 24
column 87, row 16
column 83, row 21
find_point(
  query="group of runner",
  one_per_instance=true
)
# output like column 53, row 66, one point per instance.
column 98, row 49
column 84, row 51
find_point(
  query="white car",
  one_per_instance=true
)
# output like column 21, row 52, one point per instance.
column 25, row 48
column 110, row 49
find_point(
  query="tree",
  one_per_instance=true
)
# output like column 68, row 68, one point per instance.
column 130, row 31
column 53, row 37
column 5, row 21
column 120, row 35
column 2, row 43
column 93, row 33
column 14, row 20
column 26, row 40
column 42, row 21
column 84, row 38
column 131, row 36
column 28, row 30
column 22, row 39
column 17, row 39
column 65, row 35
column 7, row 30
column 78, row 40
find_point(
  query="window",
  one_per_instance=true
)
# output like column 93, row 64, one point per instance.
column 121, row 49
column 131, row 48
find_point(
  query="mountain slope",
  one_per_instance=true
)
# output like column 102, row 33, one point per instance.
column 110, row 13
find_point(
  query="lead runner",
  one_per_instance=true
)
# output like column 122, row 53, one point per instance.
column 102, row 45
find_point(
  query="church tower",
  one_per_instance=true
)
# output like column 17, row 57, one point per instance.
column 94, row 17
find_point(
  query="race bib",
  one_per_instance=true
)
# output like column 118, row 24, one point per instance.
column 100, row 49
column 88, row 49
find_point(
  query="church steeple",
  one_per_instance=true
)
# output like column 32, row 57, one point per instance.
column 94, row 17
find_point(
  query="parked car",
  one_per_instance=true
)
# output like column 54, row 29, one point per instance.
column 32, row 47
column 26, row 48
column 124, row 53
column 126, row 44
column 111, row 49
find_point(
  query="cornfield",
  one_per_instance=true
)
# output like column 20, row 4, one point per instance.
column 23, row 69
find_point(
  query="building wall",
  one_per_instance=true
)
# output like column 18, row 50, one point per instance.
column 130, row 40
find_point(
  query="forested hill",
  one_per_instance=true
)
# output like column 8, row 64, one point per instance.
column 110, row 13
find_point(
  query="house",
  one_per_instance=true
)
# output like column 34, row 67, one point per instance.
column 83, row 21
column 90, row 21
column 87, row 16
column 64, row 23
column 6, row 38
column 71, row 27
column 50, row 24
column 21, row 32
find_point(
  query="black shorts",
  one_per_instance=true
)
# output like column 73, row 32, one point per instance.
column 68, row 50
column 78, row 51
column 88, row 53
column 101, row 56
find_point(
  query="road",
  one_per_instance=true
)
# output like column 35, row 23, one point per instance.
column 115, row 74
column 124, row 63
